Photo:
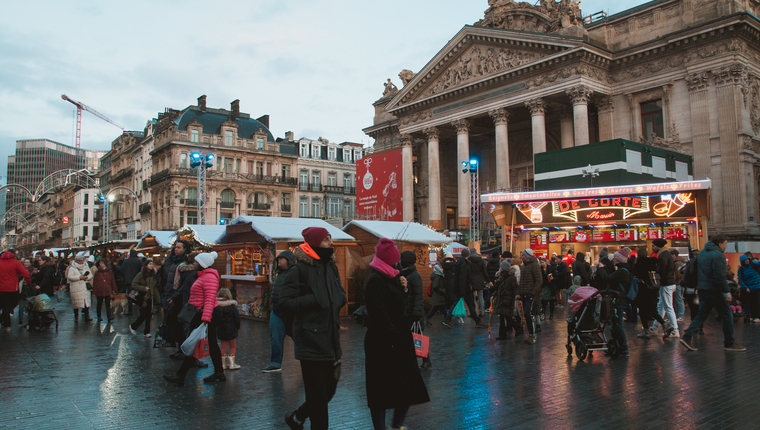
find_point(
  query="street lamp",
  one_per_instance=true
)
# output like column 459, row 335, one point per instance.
column 591, row 173
column 202, row 163
column 471, row 167
column 106, row 199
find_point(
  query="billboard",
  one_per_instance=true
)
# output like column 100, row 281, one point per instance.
column 378, row 186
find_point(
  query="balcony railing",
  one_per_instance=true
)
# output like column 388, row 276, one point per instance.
column 349, row 190
column 304, row 186
column 315, row 187
column 158, row 177
column 188, row 202
column 121, row 174
column 259, row 206
column 285, row 208
column 227, row 205
column 144, row 208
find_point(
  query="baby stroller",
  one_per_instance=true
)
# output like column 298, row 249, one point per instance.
column 41, row 313
column 593, row 313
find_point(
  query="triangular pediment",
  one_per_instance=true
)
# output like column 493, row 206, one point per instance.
column 478, row 54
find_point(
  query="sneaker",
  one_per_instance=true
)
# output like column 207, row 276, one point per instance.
column 448, row 324
column 480, row 325
column 756, row 320
column 20, row 324
column 174, row 378
column 270, row 369
column 701, row 331
column 131, row 330
column 560, row 307
column 215, row 377
column 625, row 354
column 653, row 330
column 644, row 335
column 543, row 317
column 668, row 331
column 148, row 336
column 428, row 323
column 531, row 339
column 674, row 334
column 179, row 355
column 680, row 319
column 290, row 420
column 200, row 364
column 427, row 365
column 735, row 348
column 687, row 343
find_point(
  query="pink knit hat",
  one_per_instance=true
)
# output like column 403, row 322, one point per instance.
column 387, row 252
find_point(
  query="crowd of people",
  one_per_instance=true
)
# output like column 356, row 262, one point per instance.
column 307, row 297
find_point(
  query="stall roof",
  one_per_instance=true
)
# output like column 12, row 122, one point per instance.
column 163, row 238
column 208, row 233
column 284, row 229
column 400, row 231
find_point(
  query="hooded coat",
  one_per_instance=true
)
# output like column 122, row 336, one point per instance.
column 315, row 305
column 492, row 266
column 279, row 281
column 146, row 284
column 463, row 276
column 450, row 282
column 504, row 298
column 80, row 297
column 582, row 268
column 616, row 280
column 478, row 272
column 131, row 267
column 10, row 270
column 203, row 293
column 747, row 275
column 228, row 318
column 711, row 270
column 392, row 376
column 439, row 289
column 415, row 307
column 666, row 268
column 46, row 278
column 531, row 278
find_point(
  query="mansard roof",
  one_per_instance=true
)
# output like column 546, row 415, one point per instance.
column 212, row 120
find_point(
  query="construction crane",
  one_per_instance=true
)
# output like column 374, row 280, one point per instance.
column 80, row 107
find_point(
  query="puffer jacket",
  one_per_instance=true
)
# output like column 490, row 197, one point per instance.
column 666, row 268
column 203, row 293
column 279, row 281
column 747, row 275
column 504, row 298
column 46, row 279
column 415, row 307
column 531, row 278
column 228, row 320
column 617, row 280
column 711, row 270
column 478, row 273
column 10, row 270
column 315, row 305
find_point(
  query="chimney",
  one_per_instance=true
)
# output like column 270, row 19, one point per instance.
column 235, row 106
column 202, row 102
column 289, row 136
column 264, row 119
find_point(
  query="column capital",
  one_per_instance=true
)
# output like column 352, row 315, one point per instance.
column 579, row 94
column 499, row 116
column 431, row 133
column 407, row 140
column 536, row 106
column 462, row 125
column 697, row 81
column 604, row 104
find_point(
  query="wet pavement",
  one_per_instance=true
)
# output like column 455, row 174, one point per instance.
column 98, row 376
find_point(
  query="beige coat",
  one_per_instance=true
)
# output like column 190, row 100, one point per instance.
column 80, row 297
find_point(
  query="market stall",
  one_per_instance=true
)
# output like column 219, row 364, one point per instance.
column 247, row 250
column 155, row 242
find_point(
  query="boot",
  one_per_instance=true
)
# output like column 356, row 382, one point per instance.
column 76, row 315
column 232, row 365
column 426, row 364
column 175, row 378
column 215, row 377
column 224, row 362
column 86, row 313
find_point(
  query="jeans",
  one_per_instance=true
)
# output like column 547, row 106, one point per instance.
column 678, row 302
column 378, row 417
column 276, row 339
column 665, row 307
column 480, row 302
column 109, row 312
column 618, row 331
column 707, row 301
column 320, row 384
column 527, row 302
column 548, row 304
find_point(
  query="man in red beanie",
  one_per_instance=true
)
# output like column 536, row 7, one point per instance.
column 311, row 297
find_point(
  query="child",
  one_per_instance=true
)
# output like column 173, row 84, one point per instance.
column 229, row 323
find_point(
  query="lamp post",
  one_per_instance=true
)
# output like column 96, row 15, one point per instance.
column 106, row 199
column 472, row 168
column 202, row 163
column 591, row 173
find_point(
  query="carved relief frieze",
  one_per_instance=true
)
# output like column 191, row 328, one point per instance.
column 416, row 117
column 480, row 61
column 547, row 17
column 697, row 81
column 604, row 104
column 754, row 112
column 567, row 72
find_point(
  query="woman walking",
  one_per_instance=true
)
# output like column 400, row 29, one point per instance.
column 79, row 274
column 393, row 379
column 145, row 283
column 104, row 286
column 504, row 301
column 647, row 297
column 203, row 297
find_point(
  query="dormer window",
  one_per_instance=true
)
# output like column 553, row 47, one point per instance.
column 228, row 138
column 331, row 154
column 346, row 156
column 259, row 143
column 315, row 151
column 304, row 150
column 194, row 136
column 357, row 155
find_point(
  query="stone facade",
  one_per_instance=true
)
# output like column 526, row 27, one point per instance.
column 680, row 74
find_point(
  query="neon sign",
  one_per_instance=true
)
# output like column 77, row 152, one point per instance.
column 629, row 206
column 668, row 206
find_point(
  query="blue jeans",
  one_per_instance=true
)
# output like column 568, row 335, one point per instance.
column 618, row 331
column 277, row 339
column 707, row 301
column 678, row 302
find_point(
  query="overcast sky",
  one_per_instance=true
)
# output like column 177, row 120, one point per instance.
column 314, row 66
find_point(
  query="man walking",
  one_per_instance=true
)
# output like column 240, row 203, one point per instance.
column 667, row 270
column 130, row 267
column 285, row 265
column 531, row 279
column 315, row 306
column 713, row 292
column 464, row 291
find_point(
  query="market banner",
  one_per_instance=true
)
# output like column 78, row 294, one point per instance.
column 378, row 186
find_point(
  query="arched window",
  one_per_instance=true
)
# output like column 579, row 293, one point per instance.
column 228, row 199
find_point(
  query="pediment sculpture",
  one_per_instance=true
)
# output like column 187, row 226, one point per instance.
column 479, row 61
column 550, row 16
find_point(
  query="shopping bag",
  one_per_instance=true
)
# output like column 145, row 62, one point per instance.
column 188, row 347
column 459, row 310
column 201, row 350
column 421, row 342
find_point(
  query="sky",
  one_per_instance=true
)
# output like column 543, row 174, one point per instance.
column 314, row 66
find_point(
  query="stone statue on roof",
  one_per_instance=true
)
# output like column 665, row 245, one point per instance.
column 390, row 88
column 549, row 16
column 406, row 75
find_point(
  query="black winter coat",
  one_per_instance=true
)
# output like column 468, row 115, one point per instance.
column 450, row 281
column 504, row 297
column 438, row 288
column 415, row 308
column 131, row 267
column 227, row 318
column 463, row 276
column 46, row 279
column 279, row 281
column 493, row 268
column 666, row 268
column 582, row 269
column 618, row 280
column 478, row 273
column 315, row 306
column 392, row 376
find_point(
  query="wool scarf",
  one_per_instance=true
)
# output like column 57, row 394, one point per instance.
column 383, row 267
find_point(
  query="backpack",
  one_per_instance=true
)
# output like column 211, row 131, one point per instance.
column 689, row 279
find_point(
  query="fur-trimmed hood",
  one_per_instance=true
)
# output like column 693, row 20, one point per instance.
column 305, row 258
column 227, row 303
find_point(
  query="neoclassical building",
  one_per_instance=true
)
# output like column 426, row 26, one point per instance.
column 526, row 79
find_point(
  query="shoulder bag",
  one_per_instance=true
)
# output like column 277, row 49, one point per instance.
column 187, row 313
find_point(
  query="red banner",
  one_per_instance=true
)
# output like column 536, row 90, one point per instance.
column 604, row 235
column 378, row 186
column 627, row 235
column 581, row 236
column 675, row 232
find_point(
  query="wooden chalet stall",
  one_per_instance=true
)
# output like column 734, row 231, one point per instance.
column 156, row 242
column 425, row 242
column 248, row 250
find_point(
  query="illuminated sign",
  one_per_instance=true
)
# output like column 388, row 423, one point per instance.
column 600, row 209
column 65, row 220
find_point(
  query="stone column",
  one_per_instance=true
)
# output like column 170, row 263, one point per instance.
column 606, row 115
column 434, row 179
column 567, row 137
column 698, row 84
column 500, row 117
column 580, row 95
column 538, row 122
column 407, row 188
column 463, row 180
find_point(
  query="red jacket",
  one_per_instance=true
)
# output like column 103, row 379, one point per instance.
column 203, row 292
column 10, row 268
